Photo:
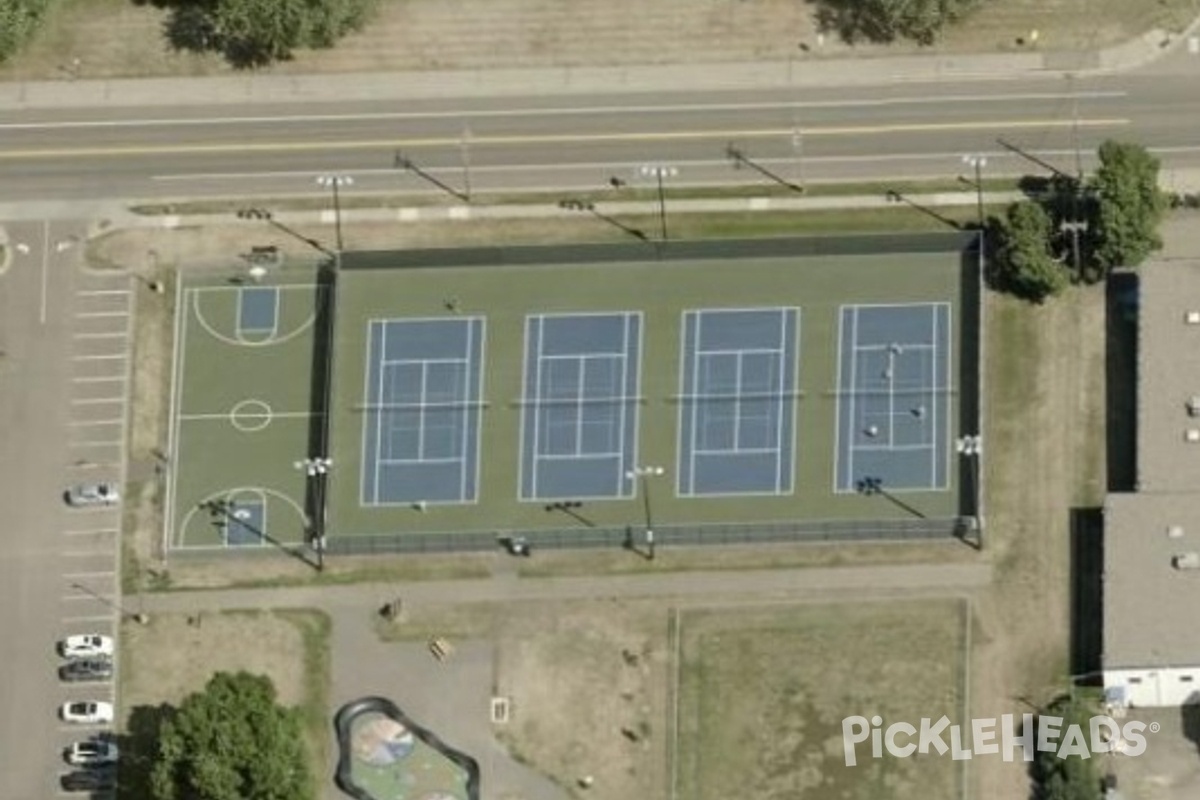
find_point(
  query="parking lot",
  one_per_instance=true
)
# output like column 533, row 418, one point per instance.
column 65, row 337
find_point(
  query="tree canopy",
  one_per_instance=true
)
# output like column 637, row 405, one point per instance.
column 1021, row 262
column 257, row 32
column 19, row 20
column 232, row 741
column 1072, row 777
column 887, row 20
column 1127, row 206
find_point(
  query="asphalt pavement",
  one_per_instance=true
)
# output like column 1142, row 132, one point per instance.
column 64, row 338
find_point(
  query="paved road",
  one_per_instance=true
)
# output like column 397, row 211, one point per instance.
column 574, row 142
column 64, row 340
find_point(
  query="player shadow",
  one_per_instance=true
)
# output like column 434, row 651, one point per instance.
column 221, row 515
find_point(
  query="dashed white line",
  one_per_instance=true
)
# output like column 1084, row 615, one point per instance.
column 102, row 292
column 104, row 379
column 117, row 335
column 87, row 423
column 97, row 314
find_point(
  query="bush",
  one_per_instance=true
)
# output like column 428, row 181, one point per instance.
column 19, row 20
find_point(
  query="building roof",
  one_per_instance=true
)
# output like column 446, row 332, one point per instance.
column 1149, row 604
column 1169, row 377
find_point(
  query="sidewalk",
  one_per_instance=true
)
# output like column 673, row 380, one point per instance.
column 257, row 89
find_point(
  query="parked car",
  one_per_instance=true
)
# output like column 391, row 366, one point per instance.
column 91, row 753
column 86, row 669
column 89, row 780
column 93, row 494
column 86, row 712
column 86, row 645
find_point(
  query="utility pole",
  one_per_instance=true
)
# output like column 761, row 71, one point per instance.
column 659, row 172
column 335, row 182
column 465, row 156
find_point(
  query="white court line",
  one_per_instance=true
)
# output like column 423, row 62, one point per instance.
column 698, row 316
column 103, row 357
column 98, row 314
column 117, row 335
column 853, row 384
column 272, row 414
column 95, row 401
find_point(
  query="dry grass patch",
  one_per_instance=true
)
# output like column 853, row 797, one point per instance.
column 763, row 693
column 122, row 38
column 1045, row 429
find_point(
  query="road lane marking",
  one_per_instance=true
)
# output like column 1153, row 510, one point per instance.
column 93, row 314
column 118, row 335
column 101, row 292
column 102, row 379
column 74, row 576
column 96, row 444
column 456, row 115
column 553, row 139
column 45, row 269
column 93, row 618
column 101, row 357
column 89, row 531
column 96, row 401
column 89, row 423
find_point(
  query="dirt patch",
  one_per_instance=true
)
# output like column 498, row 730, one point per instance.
column 1045, row 431
column 101, row 38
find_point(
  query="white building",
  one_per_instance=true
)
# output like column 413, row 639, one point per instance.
column 1151, row 651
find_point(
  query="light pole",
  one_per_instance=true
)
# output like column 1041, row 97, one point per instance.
column 641, row 474
column 971, row 448
column 659, row 172
column 317, row 470
column 335, row 182
column 978, row 162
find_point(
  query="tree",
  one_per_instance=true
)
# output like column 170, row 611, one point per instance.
column 887, row 20
column 232, row 741
column 19, row 20
column 1072, row 777
column 1020, row 261
column 1127, row 206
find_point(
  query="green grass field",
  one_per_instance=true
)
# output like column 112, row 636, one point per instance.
column 763, row 692
column 241, row 412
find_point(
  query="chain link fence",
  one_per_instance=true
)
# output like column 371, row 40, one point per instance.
column 581, row 538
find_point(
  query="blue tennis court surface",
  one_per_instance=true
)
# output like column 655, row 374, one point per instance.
column 894, row 396
column 737, row 404
column 258, row 311
column 421, row 426
column 580, row 404
column 245, row 521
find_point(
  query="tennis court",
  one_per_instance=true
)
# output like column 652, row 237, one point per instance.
column 567, row 391
column 894, row 397
column 737, row 401
column 421, row 420
column 580, row 406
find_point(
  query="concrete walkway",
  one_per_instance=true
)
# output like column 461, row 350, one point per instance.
column 257, row 89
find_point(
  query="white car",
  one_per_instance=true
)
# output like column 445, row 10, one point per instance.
column 91, row 753
column 87, row 712
column 93, row 494
column 86, row 645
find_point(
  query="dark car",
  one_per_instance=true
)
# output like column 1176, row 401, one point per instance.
column 87, row 669
column 89, row 780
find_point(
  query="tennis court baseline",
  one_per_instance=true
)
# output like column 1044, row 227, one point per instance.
column 422, row 416
column 580, row 405
column 738, row 376
column 893, row 402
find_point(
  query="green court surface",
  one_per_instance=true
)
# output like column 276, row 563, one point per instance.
column 241, row 416
column 242, row 408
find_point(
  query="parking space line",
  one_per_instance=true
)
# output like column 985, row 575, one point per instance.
column 95, row 401
column 102, row 335
column 103, row 357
